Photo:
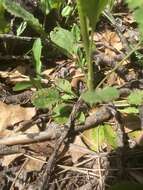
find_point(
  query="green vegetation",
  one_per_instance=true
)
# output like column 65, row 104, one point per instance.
column 74, row 39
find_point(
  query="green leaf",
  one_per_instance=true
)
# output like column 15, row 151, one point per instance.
column 22, row 85
column 64, row 85
column 66, row 11
column 67, row 97
column 81, row 118
column 61, row 113
column 101, row 136
column 76, row 32
column 99, row 96
column 136, row 97
column 92, row 9
column 45, row 98
column 137, row 8
column 18, row 11
column 134, row 4
column 65, row 40
column 37, row 49
column 4, row 25
column 21, row 28
column 45, row 6
column 104, row 134
column 129, row 110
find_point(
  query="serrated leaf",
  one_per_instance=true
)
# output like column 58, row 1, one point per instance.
column 16, row 10
column 102, row 95
column 22, row 85
column 136, row 97
column 37, row 49
column 45, row 98
column 64, row 39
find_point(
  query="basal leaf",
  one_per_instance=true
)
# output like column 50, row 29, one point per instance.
column 61, row 113
column 64, row 85
column 37, row 49
column 129, row 110
column 102, row 95
column 18, row 11
column 110, row 136
column 45, row 98
column 64, row 39
column 22, row 85
column 101, row 137
column 136, row 97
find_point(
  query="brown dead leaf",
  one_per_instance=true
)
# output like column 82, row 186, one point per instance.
column 14, row 76
column 75, row 149
column 12, row 114
column 110, row 40
column 47, row 72
column 128, row 19
column 8, row 159
column 131, row 122
column 35, row 164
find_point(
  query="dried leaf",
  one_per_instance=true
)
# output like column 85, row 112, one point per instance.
column 12, row 114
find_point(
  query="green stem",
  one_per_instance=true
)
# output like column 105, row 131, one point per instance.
column 90, row 65
column 87, row 45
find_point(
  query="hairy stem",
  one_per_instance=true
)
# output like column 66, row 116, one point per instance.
column 87, row 45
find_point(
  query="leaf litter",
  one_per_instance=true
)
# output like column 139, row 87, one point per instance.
column 90, row 151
